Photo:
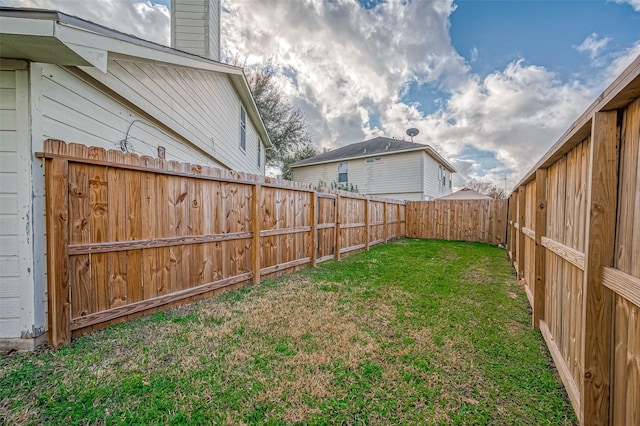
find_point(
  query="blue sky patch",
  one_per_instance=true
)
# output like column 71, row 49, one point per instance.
column 492, row 34
column 429, row 98
column 369, row 4
column 488, row 160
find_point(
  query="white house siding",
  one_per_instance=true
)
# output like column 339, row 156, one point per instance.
column 405, row 196
column 201, row 106
column 214, row 29
column 73, row 110
column 392, row 174
column 190, row 26
column 432, row 183
column 315, row 174
column 18, row 317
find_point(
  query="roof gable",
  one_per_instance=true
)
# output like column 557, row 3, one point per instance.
column 68, row 40
column 377, row 146
column 465, row 194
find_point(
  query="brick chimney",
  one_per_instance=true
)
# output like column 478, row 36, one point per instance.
column 195, row 27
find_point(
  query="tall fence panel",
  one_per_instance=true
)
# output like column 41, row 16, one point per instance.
column 624, row 277
column 577, row 212
column 461, row 220
column 127, row 235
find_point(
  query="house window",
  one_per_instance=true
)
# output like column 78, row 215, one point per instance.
column 259, row 153
column 343, row 172
column 439, row 172
column 449, row 181
column 243, row 129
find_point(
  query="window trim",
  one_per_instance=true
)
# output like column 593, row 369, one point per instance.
column 243, row 129
column 260, row 153
column 345, row 173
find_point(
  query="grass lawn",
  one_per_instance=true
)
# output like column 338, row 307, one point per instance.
column 414, row 332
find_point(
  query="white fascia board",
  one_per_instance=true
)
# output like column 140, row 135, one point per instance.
column 22, row 26
column 67, row 33
column 440, row 159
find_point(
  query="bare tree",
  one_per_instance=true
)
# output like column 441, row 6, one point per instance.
column 301, row 153
column 487, row 188
column 285, row 122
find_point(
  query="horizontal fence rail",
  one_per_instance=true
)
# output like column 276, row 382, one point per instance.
column 574, row 238
column 127, row 235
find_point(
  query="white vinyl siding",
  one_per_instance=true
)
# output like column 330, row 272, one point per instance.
column 201, row 106
column 399, row 173
column 17, row 318
column 196, row 25
column 432, row 176
column 214, row 30
column 393, row 173
column 72, row 110
column 405, row 196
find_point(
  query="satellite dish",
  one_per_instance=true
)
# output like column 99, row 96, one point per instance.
column 412, row 132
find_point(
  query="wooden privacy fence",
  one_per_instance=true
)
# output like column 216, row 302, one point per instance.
column 127, row 234
column 574, row 238
column 463, row 220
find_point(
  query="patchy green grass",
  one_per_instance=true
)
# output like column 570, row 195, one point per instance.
column 414, row 332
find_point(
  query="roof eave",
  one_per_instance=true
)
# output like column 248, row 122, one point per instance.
column 84, row 43
column 426, row 148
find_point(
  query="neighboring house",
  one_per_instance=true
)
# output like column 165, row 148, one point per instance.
column 381, row 166
column 465, row 194
column 64, row 78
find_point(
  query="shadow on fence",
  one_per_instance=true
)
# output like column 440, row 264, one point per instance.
column 574, row 238
column 127, row 235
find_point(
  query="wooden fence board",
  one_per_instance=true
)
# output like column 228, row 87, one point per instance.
column 142, row 233
column 587, row 259
column 449, row 219
column 600, row 248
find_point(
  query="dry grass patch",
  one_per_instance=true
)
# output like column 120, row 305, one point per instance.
column 396, row 335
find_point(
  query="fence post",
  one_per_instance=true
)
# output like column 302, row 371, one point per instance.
column 336, row 254
column 313, row 241
column 366, row 224
column 57, row 222
column 540, row 229
column 522, row 204
column 398, row 224
column 255, row 228
column 599, row 251
column 385, row 233
column 509, row 243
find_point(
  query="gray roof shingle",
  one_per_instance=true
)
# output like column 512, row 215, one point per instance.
column 376, row 146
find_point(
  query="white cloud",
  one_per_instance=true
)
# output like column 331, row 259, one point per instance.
column 635, row 4
column 348, row 67
column 352, row 62
column 517, row 114
column 346, row 57
column 621, row 60
column 592, row 45
column 143, row 19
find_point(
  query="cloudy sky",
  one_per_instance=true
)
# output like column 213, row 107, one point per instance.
column 490, row 84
